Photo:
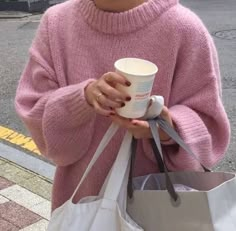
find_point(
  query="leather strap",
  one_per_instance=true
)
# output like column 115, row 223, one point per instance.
column 156, row 146
column 174, row 135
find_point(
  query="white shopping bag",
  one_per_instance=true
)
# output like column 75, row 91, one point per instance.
column 210, row 205
column 106, row 212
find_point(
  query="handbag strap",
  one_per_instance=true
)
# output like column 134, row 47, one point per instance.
column 159, row 157
column 174, row 135
column 171, row 132
column 119, row 169
column 156, row 146
column 132, row 162
column 104, row 142
column 169, row 185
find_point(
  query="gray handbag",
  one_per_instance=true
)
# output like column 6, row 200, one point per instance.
column 207, row 203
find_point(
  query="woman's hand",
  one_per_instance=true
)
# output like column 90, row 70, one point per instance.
column 140, row 128
column 103, row 95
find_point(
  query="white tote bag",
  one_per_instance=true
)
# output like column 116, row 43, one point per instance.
column 106, row 212
column 207, row 203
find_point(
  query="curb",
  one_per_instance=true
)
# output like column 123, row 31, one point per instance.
column 40, row 167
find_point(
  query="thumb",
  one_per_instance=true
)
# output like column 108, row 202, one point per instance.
column 165, row 114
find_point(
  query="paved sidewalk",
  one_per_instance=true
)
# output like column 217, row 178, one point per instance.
column 13, row 14
column 24, row 199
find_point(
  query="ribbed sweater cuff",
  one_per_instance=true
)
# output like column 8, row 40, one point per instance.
column 188, row 124
column 71, row 102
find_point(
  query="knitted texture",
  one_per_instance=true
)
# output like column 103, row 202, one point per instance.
column 77, row 43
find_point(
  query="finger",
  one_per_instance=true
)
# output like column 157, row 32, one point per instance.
column 141, row 134
column 113, row 104
column 141, row 129
column 140, row 123
column 121, row 121
column 113, row 93
column 104, row 101
column 114, row 78
column 101, row 110
column 164, row 112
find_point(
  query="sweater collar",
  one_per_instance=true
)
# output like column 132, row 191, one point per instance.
column 124, row 22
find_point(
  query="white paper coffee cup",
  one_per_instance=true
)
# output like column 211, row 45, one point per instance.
column 141, row 74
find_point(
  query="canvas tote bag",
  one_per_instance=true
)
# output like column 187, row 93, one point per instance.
column 106, row 212
column 157, row 205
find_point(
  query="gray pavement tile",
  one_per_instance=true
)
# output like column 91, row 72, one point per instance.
column 7, row 171
column 26, row 179
column 7, row 226
column 17, row 215
column 38, row 186
column 26, row 161
column 2, row 161
column 14, row 173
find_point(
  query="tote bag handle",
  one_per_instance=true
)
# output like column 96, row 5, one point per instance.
column 171, row 132
column 156, row 146
column 174, row 135
column 119, row 168
column 104, row 142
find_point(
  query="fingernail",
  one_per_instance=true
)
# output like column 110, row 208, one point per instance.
column 128, row 83
column 112, row 114
column 122, row 105
column 128, row 98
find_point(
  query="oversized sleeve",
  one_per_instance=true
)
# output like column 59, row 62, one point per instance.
column 58, row 118
column 195, row 104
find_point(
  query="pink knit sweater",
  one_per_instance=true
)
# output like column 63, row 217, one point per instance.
column 77, row 43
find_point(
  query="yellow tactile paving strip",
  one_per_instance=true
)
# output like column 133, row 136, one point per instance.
column 18, row 139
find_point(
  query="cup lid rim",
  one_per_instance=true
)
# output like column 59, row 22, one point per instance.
column 155, row 68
